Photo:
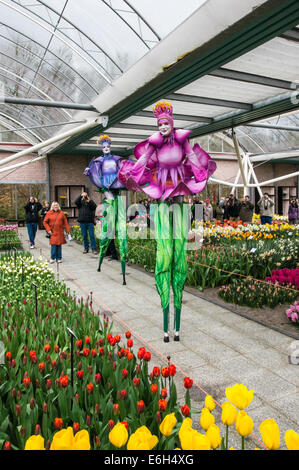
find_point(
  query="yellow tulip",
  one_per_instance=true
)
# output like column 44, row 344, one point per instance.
column 209, row 403
column 213, row 434
column 291, row 439
column 63, row 440
column 229, row 413
column 244, row 424
column 168, row 424
column 206, row 419
column 192, row 440
column 35, row 443
column 118, row 435
column 270, row 433
column 239, row 395
column 142, row 439
column 81, row 441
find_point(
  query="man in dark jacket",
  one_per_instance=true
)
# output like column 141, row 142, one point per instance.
column 87, row 209
column 233, row 208
column 32, row 209
column 246, row 210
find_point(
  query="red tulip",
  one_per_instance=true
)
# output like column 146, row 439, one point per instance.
column 147, row 356
column 98, row 378
column 58, row 422
column 76, row 427
column 8, row 356
column 128, row 334
column 136, row 382
column 110, row 424
column 162, row 405
column 140, row 406
column 185, row 410
column 188, row 382
column 116, row 409
column 64, row 381
column 47, row 348
column 89, row 388
column 85, row 352
column 124, row 373
column 26, row 382
column 163, row 393
column 140, row 353
column 154, row 389
column 80, row 374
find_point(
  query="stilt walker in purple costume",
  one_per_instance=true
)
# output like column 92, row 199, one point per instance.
column 167, row 169
column 102, row 172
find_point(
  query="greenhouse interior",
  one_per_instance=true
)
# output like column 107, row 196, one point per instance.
column 149, row 227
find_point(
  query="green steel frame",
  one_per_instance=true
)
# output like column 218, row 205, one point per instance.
column 261, row 25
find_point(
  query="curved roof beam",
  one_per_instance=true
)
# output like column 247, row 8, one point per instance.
column 28, row 118
column 36, row 111
column 53, row 53
column 37, row 73
column 144, row 21
column 77, row 29
column 128, row 24
column 19, row 124
column 59, row 38
column 33, row 86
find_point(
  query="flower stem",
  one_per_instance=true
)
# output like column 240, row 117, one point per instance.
column 243, row 443
column 226, row 444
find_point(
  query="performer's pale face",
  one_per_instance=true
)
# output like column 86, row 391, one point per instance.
column 106, row 147
column 164, row 127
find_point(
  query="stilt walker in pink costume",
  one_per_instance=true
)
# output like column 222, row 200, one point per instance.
column 167, row 169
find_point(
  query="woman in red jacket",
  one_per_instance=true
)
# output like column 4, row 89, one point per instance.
column 55, row 222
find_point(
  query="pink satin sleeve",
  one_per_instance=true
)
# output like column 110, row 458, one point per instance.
column 139, row 167
column 198, row 160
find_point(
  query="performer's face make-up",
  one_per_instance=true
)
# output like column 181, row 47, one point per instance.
column 164, row 127
column 106, row 147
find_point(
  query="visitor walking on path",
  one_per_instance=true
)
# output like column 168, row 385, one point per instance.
column 293, row 212
column 208, row 211
column 246, row 210
column 55, row 222
column 32, row 209
column 86, row 217
column 46, row 207
column 266, row 209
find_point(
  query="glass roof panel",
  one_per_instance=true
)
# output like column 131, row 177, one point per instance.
column 260, row 139
column 277, row 58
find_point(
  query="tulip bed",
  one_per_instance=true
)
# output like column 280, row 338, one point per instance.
column 115, row 401
column 111, row 384
column 229, row 252
column 9, row 238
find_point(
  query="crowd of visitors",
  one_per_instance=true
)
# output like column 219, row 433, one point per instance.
column 55, row 222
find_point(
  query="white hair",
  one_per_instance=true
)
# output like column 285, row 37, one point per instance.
column 55, row 202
